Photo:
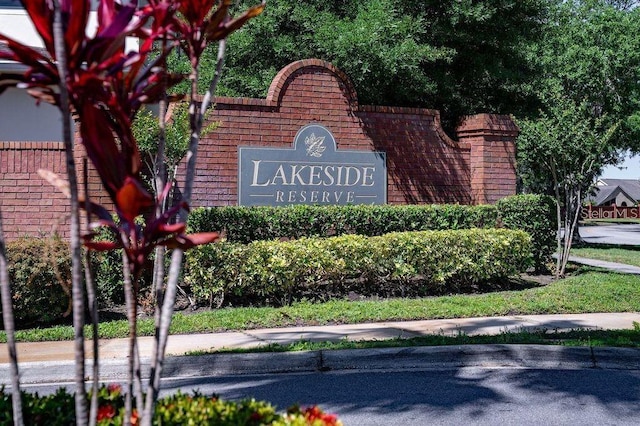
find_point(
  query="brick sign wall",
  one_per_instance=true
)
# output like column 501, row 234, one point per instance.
column 423, row 164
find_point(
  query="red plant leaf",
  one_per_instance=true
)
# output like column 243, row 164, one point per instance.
column 163, row 13
column 101, row 147
column 76, row 14
column 132, row 198
column 27, row 56
column 101, row 245
column 200, row 238
column 220, row 15
column 112, row 32
column 167, row 229
column 195, row 11
column 96, row 209
column 42, row 17
column 186, row 242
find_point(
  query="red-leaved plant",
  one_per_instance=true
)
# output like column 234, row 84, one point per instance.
column 104, row 86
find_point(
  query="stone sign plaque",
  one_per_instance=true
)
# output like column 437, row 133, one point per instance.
column 313, row 172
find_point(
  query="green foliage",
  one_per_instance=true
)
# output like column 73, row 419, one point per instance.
column 435, row 54
column 534, row 214
column 58, row 409
column 183, row 409
column 53, row 409
column 147, row 132
column 146, row 129
column 247, row 224
column 590, row 52
column 563, row 152
column 107, row 270
column 39, row 271
column 420, row 262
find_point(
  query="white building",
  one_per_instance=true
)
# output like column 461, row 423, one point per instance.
column 20, row 118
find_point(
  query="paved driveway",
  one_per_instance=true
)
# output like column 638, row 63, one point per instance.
column 611, row 234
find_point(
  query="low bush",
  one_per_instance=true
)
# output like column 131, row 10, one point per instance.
column 58, row 409
column 534, row 214
column 531, row 213
column 409, row 263
column 248, row 224
column 40, row 275
column 107, row 269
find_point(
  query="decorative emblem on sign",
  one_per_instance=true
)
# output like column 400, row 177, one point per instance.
column 315, row 145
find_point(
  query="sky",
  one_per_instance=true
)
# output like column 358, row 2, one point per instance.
column 630, row 169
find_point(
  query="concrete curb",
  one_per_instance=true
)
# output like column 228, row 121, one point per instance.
column 407, row 358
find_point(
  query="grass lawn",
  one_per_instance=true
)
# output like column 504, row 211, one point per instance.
column 628, row 255
column 586, row 291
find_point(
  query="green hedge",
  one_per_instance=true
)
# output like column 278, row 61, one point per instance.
column 534, row 214
column 40, row 275
column 248, row 224
column 58, row 409
column 39, row 268
column 419, row 262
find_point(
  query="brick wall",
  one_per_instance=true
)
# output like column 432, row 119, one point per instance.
column 424, row 165
column 29, row 205
column 492, row 156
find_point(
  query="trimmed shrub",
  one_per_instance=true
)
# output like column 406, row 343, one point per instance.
column 40, row 274
column 420, row 262
column 107, row 269
column 58, row 409
column 248, row 224
column 109, row 279
column 108, row 276
column 534, row 214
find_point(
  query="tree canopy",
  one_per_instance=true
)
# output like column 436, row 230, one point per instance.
column 590, row 56
column 589, row 111
column 459, row 57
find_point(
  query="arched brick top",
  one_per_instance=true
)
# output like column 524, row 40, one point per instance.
column 281, row 80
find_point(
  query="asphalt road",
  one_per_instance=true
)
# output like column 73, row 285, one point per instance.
column 628, row 234
column 457, row 396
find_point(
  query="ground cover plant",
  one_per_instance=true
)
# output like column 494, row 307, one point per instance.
column 180, row 409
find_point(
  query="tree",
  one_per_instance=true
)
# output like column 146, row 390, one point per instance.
column 459, row 57
column 566, row 148
column 591, row 52
column 590, row 103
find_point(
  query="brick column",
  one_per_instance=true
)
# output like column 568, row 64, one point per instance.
column 493, row 155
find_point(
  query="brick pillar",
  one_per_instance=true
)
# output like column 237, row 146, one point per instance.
column 493, row 155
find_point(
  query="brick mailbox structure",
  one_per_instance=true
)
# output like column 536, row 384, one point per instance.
column 423, row 164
